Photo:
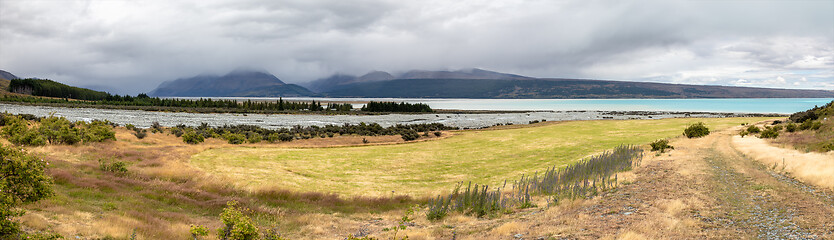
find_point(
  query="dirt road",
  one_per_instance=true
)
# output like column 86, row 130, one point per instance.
column 704, row 189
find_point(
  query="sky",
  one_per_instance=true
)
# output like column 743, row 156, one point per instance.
column 128, row 47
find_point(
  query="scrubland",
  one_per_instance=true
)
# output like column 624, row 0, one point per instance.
column 331, row 188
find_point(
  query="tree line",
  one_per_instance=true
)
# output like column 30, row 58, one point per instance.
column 396, row 107
column 63, row 93
column 49, row 88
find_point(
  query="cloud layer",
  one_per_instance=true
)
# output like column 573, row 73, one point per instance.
column 132, row 46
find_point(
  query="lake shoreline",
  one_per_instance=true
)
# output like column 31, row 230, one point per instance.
column 467, row 120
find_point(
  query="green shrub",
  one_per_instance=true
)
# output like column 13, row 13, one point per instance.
column 130, row 127
column 177, row 131
column 191, row 137
column 236, row 226
column 285, row 137
column 696, row 130
column 50, row 127
column 829, row 146
column 17, row 131
column 790, row 127
column 812, row 125
column 272, row 234
column 235, row 138
column 254, row 138
column 22, row 180
column 31, row 138
column 140, row 134
column 198, row 231
column 743, row 133
column 437, row 134
column 156, row 127
column 409, row 135
column 753, row 129
column 98, row 131
column 661, row 145
column 117, row 167
column 769, row 133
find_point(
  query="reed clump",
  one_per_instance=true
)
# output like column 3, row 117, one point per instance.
column 582, row 179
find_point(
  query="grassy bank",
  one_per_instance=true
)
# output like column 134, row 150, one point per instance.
column 431, row 167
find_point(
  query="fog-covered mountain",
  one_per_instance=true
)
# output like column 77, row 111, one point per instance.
column 238, row 83
column 341, row 81
column 468, row 83
column 443, row 84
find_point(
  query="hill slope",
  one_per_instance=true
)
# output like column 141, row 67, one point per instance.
column 235, row 84
column 49, row 88
column 556, row 88
column 342, row 81
column 4, row 81
column 7, row 75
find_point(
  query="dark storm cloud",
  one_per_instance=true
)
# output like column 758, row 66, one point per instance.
column 134, row 45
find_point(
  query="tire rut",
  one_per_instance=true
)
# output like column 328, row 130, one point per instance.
column 745, row 209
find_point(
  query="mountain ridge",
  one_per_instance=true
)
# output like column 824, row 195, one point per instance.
column 558, row 88
column 238, row 83
column 7, row 75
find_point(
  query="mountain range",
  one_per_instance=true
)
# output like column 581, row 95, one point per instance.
column 467, row 83
column 238, row 83
column 478, row 83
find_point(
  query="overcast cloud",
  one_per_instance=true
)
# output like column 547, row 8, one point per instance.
column 132, row 46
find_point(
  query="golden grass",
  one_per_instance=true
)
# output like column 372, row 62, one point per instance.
column 432, row 167
column 508, row 229
column 812, row 167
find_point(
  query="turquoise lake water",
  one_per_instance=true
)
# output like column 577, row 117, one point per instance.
column 730, row 105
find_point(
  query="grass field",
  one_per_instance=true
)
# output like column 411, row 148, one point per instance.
column 427, row 168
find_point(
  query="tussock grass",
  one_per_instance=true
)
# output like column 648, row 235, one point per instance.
column 578, row 180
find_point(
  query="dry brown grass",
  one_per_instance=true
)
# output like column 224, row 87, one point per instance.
column 162, row 194
column 810, row 167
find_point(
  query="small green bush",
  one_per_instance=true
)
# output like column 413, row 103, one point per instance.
column 156, row 127
column 22, row 180
column 696, row 130
column 829, row 146
column 790, row 127
column 130, row 127
column 236, row 225
column 98, row 131
column 661, row 145
column 17, row 131
column 753, row 129
column 198, row 231
column 235, row 138
column 177, row 131
column 117, row 167
column 437, row 134
column 285, row 137
column 812, row 125
column 191, row 137
column 769, row 133
column 254, row 138
column 409, row 135
column 140, row 133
